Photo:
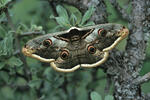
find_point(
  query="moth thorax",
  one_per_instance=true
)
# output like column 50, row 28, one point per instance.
column 75, row 38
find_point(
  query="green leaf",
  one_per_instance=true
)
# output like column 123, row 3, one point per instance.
column 90, row 23
column 2, row 64
column 22, row 28
column 6, row 45
column 109, row 97
column 62, row 12
column 75, row 11
column 95, row 96
column 42, row 97
column 3, row 2
column 73, row 19
column 63, row 22
column 55, row 29
column 7, row 92
column 4, row 76
column 2, row 32
column 52, row 16
column 20, row 81
column 36, row 28
column 35, row 83
column 13, row 61
column 87, row 14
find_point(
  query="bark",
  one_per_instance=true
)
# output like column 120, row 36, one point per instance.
column 124, row 67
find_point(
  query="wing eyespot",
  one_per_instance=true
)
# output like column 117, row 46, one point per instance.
column 47, row 42
column 64, row 54
column 91, row 49
column 102, row 32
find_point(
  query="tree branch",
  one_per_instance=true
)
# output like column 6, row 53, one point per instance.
column 9, row 19
column 121, row 10
column 29, row 34
column 18, row 47
column 136, row 45
column 141, row 80
column 53, row 6
column 133, row 57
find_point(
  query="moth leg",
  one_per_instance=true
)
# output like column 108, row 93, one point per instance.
column 106, row 54
column 53, row 65
column 123, row 33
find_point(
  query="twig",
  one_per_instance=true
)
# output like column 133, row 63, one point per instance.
column 121, row 10
column 29, row 34
column 38, row 91
column 9, row 19
column 53, row 5
column 18, row 47
column 141, row 80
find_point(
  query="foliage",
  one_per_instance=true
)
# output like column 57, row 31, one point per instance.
column 96, row 96
column 75, row 18
column 39, row 81
column 3, row 3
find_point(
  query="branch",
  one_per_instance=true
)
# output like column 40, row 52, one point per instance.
column 9, row 19
column 136, row 45
column 146, row 22
column 30, row 33
column 17, row 44
column 141, row 80
column 133, row 57
column 53, row 6
column 121, row 10
column 100, row 15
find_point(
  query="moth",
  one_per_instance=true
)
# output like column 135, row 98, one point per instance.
column 69, row 50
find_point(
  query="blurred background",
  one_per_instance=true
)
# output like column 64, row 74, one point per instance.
column 39, row 81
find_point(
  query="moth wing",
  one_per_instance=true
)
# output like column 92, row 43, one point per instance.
column 106, row 36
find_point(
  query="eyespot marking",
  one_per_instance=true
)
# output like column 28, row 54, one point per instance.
column 91, row 49
column 102, row 32
column 64, row 54
column 47, row 42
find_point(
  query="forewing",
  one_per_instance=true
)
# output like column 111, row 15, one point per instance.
column 106, row 36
